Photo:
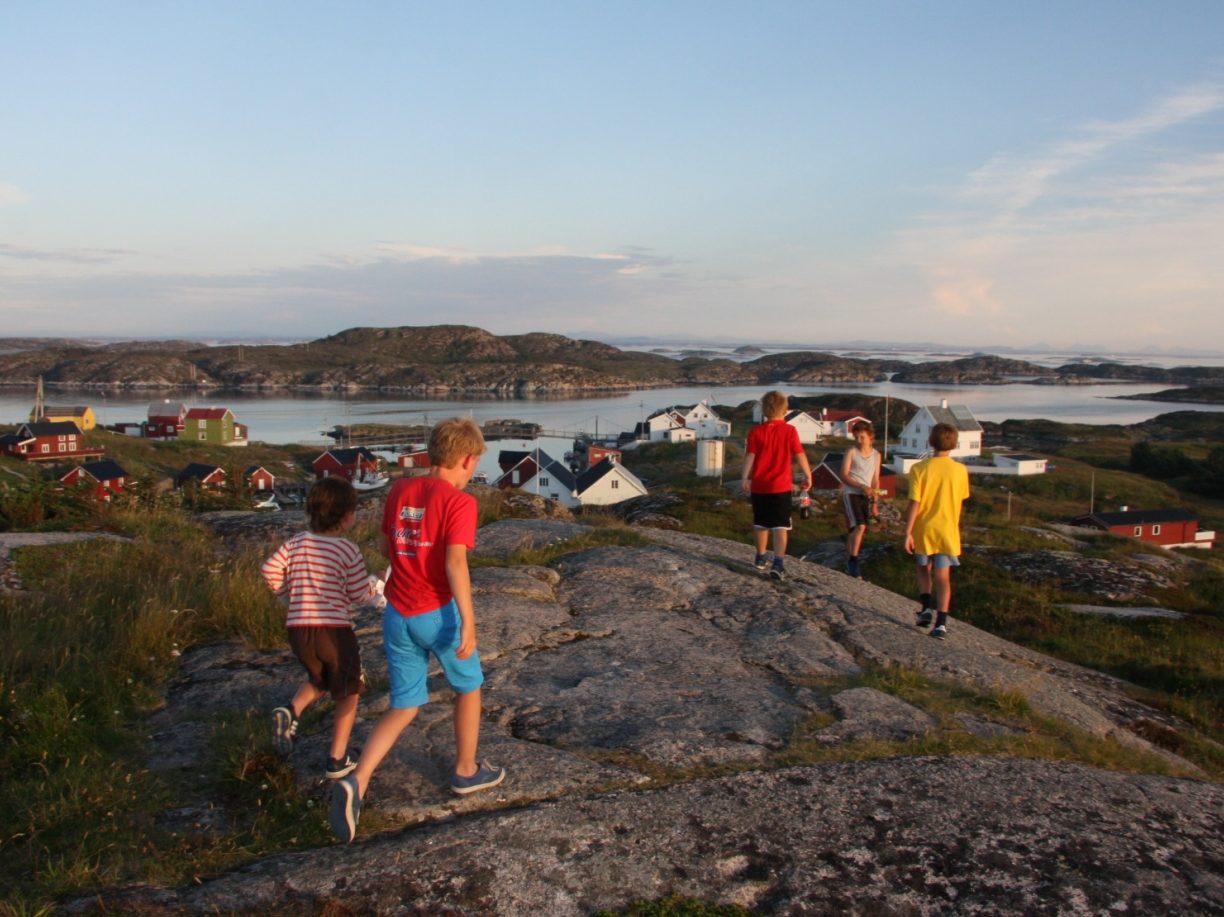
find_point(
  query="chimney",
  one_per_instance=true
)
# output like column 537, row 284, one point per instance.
column 1125, row 508
column 943, row 403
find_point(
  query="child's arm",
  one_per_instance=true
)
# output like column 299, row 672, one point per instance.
column 461, row 588
column 746, row 477
column 875, row 476
column 910, row 517
column 359, row 585
column 274, row 569
column 806, row 468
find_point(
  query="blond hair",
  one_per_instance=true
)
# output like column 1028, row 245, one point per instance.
column 774, row 404
column 451, row 440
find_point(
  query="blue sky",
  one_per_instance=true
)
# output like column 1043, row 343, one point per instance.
column 969, row 173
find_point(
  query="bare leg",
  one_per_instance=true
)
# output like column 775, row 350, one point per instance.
column 943, row 590
column 924, row 579
column 306, row 695
column 346, row 715
column 467, row 732
column 386, row 731
column 761, row 537
column 780, row 539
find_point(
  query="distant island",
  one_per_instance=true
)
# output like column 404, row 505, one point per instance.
column 459, row 359
column 1194, row 394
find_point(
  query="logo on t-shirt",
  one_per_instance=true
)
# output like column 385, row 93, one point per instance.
column 412, row 513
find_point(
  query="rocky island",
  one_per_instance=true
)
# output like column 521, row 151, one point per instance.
column 457, row 359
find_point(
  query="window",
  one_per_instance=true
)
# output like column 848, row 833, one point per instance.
column 61, row 437
column 544, row 483
column 1138, row 530
column 514, row 477
column 203, row 435
column 46, row 447
column 554, row 496
column 63, row 447
column 1155, row 530
column 615, row 484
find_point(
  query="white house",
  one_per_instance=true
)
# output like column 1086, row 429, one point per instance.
column 809, row 429
column 913, row 441
column 824, row 422
column 700, row 420
column 1018, row 463
column 539, row 473
column 606, row 483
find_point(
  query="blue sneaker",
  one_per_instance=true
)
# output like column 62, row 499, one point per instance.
column 486, row 776
column 345, row 809
column 852, row 567
column 762, row 562
column 777, row 571
column 925, row 618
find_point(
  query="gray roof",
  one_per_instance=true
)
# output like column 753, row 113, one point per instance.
column 1141, row 517
column 546, row 463
column 958, row 415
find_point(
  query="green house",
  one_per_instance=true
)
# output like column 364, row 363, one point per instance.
column 215, row 426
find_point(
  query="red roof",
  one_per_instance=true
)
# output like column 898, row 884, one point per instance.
column 207, row 413
column 835, row 415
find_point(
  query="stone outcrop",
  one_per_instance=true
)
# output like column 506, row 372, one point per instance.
column 646, row 702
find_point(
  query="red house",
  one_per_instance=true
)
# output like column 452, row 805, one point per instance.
column 105, row 476
column 47, row 441
column 417, row 458
column 165, row 421
column 827, row 475
column 259, row 479
column 210, row 477
column 352, row 464
column 1169, row 528
column 596, row 454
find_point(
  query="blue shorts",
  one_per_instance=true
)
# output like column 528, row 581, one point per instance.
column 938, row 561
column 408, row 643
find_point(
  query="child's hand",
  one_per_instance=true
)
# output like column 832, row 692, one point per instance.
column 467, row 640
column 909, row 543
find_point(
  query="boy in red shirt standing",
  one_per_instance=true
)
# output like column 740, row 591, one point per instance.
column 768, row 479
column 429, row 525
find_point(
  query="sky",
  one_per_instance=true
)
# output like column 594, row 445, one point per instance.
column 968, row 173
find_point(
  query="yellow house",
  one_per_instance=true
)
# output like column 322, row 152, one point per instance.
column 83, row 417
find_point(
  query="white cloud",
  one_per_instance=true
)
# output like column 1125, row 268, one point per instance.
column 11, row 195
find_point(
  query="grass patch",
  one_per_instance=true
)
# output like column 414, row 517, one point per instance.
column 674, row 906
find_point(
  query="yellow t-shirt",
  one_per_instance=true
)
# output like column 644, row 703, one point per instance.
column 939, row 485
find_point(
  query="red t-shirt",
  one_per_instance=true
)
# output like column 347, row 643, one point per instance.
column 772, row 444
column 422, row 516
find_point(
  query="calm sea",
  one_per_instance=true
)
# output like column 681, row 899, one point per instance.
column 302, row 418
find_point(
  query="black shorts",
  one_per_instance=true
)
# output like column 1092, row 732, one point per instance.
column 771, row 511
column 330, row 657
column 858, row 510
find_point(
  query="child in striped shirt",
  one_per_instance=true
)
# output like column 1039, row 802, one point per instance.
column 323, row 575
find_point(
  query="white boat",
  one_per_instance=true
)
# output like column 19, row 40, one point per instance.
column 268, row 502
column 370, row 481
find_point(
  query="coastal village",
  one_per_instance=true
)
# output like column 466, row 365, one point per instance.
column 608, row 546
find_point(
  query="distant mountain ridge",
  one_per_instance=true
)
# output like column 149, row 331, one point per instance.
column 436, row 359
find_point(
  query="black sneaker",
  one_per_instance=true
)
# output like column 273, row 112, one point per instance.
column 924, row 618
column 345, row 809
column 340, row 767
column 284, row 728
column 939, row 632
column 762, row 562
column 852, row 567
column 776, row 571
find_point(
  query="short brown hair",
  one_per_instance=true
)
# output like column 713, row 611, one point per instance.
column 453, row 439
column 943, row 437
column 862, row 425
column 774, row 404
column 329, row 501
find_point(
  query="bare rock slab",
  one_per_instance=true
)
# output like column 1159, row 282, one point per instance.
column 900, row 836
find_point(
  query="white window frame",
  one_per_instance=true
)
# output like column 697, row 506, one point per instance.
column 1155, row 530
column 1138, row 531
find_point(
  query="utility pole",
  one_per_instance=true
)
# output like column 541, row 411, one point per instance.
column 885, row 429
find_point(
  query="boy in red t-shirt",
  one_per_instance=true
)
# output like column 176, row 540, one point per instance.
column 768, row 478
column 429, row 525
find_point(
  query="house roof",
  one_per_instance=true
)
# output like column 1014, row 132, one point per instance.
column 796, row 414
column 51, row 428
column 546, row 463
column 199, row 471
column 834, row 460
column 103, row 470
column 60, row 410
column 165, row 409
column 12, row 439
column 207, row 413
column 958, row 415
column 254, row 468
column 508, row 458
column 349, row 455
column 1018, row 457
column 600, row 470
column 1141, row 517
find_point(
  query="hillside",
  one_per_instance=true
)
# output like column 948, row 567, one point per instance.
column 461, row 359
column 673, row 724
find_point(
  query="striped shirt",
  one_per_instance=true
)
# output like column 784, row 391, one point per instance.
column 322, row 576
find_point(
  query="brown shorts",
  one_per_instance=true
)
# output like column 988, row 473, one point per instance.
column 330, row 657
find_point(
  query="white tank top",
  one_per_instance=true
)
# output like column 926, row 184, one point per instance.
column 862, row 467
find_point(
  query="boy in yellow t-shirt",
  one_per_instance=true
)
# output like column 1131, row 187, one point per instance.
column 938, row 486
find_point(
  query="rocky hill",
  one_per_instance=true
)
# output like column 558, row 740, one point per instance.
column 653, row 701
column 461, row 359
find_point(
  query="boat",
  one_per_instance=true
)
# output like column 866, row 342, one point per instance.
column 267, row 502
column 371, row 480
